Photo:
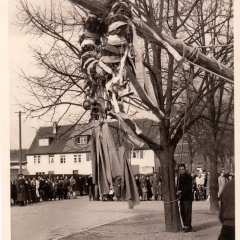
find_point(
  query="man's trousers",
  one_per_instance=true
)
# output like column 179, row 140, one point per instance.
column 186, row 212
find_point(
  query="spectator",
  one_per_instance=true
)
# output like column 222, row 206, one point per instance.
column 154, row 182
column 14, row 192
column 194, row 186
column 80, row 185
column 143, row 183
column 33, row 193
column 149, row 189
column 208, row 187
column 159, row 191
column 230, row 177
column 66, row 184
column 96, row 192
column 72, row 183
column 144, row 193
column 111, row 193
column 221, row 183
column 199, row 185
column 186, row 197
column 21, row 196
column 205, row 183
column 138, row 186
column 50, row 189
column 227, row 211
column 55, row 191
column 90, row 187
column 60, row 192
column 118, row 188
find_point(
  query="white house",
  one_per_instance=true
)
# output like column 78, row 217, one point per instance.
column 66, row 150
column 60, row 150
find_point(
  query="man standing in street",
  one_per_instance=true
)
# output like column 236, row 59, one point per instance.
column 186, row 197
column 21, row 190
column 80, row 185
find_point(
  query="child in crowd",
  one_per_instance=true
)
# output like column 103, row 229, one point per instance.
column 110, row 195
column 159, row 191
column 144, row 192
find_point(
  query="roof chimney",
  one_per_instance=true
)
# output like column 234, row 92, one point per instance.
column 54, row 127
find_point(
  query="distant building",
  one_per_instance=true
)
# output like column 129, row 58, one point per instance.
column 66, row 150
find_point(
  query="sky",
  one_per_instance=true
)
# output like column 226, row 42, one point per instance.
column 20, row 57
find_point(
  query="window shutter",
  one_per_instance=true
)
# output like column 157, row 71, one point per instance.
column 141, row 154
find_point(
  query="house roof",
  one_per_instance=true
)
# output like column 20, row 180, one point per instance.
column 65, row 141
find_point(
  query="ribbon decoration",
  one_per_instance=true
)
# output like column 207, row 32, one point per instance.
column 109, row 163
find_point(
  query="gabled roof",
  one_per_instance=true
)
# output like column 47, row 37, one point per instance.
column 65, row 139
column 62, row 142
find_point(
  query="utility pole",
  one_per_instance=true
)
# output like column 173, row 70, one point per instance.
column 20, row 141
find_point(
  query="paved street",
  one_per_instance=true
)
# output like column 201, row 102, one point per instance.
column 53, row 220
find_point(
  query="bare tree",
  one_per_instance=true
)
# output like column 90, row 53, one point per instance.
column 182, row 91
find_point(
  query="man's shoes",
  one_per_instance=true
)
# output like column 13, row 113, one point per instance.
column 186, row 229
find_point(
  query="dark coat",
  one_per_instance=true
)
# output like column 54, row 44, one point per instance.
column 21, row 190
column 143, row 182
column 117, row 187
column 185, row 185
column 14, row 190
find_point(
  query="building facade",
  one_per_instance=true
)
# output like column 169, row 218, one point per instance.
column 66, row 150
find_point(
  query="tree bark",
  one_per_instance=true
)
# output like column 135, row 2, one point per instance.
column 171, row 209
column 214, row 206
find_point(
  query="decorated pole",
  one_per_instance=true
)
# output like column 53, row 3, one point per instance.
column 188, row 52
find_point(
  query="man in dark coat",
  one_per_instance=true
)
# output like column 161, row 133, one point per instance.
column 186, row 197
column 66, row 184
column 21, row 190
column 227, row 211
column 90, row 187
column 80, row 185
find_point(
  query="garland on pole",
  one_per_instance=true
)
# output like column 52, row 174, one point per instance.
column 111, row 58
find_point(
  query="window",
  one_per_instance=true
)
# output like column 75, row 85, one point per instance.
column 40, row 173
column 75, row 172
column 137, row 154
column 51, row 159
column 82, row 140
column 62, row 159
column 37, row 159
column 77, row 158
column 44, row 142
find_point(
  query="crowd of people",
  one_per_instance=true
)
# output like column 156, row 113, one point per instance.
column 201, row 183
column 27, row 190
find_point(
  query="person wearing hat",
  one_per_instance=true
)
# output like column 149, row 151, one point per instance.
column 21, row 190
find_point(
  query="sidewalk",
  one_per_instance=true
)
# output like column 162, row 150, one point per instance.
column 149, row 224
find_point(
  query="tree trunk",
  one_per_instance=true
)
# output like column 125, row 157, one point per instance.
column 214, row 206
column 171, row 209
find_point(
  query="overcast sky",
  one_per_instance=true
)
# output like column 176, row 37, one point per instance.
column 19, row 58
